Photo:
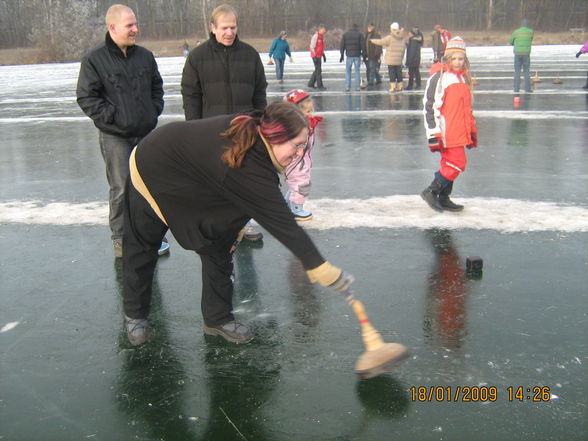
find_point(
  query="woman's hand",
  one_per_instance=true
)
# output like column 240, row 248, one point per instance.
column 330, row 276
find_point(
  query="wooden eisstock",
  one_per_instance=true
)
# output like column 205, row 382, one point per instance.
column 379, row 357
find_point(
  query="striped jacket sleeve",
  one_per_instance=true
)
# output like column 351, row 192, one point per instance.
column 432, row 102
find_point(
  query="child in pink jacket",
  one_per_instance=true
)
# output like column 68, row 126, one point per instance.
column 298, row 172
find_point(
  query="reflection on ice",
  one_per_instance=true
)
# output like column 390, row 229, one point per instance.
column 9, row 326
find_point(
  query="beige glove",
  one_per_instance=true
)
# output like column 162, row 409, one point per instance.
column 331, row 276
column 237, row 241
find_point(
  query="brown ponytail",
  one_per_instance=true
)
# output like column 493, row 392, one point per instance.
column 243, row 134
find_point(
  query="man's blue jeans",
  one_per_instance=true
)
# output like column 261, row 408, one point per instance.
column 352, row 61
column 524, row 62
column 279, row 62
column 116, row 151
column 373, row 76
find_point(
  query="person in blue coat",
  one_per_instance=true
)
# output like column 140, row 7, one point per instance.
column 280, row 48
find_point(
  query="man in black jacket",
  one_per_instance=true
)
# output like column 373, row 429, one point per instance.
column 373, row 53
column 120, row 88
column 413, row 57
column 353, row 44
column 224, row 76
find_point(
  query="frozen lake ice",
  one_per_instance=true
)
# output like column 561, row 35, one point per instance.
column 520, row 326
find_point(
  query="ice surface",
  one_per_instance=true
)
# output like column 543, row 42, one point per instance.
column 521, row 322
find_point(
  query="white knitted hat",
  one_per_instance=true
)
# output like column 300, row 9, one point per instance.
column 455, row 44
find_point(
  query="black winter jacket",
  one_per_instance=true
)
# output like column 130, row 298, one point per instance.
column 220, row 79
column 122, row 95
column 413, row 50
column 372, row 51
column 204, row 201
column 353, row 43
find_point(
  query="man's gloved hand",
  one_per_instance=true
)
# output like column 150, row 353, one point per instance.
column 341, row 59
column 331, row 276
column 325, row 58
column 578, row 54
column 474, row 136
column 435, row 143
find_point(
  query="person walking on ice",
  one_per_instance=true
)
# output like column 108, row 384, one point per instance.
column 298, row 172
column 317, row 53
column 449, row 122
column 280, row 48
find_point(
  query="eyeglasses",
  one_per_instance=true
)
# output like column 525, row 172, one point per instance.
column 302, row 145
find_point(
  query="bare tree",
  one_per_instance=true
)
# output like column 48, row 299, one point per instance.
column 46, row 23
column 490, row 15
column 66, row 43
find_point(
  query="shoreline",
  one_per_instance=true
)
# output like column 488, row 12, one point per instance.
column 173, row 48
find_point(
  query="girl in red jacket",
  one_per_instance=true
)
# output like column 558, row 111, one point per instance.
column 449, row 122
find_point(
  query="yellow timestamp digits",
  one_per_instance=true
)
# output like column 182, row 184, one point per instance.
column 536, row 394
column 448, row 394
column 453, row 393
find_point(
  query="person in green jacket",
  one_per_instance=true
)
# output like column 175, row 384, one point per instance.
column 522, row 39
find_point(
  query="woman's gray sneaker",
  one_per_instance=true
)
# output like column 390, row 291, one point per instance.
column 137, row 330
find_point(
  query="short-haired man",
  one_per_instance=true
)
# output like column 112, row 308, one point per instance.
column 224, row 76
column 120, row 88
column 353, row 45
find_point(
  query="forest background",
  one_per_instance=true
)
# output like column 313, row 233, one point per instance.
column 37, row 31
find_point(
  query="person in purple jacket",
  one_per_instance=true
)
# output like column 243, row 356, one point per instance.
column 583, row 50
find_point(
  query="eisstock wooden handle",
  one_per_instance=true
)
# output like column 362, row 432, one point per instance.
column 372, row 339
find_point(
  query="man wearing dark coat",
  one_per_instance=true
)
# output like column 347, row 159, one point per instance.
column 373, row 54
column 413, row 58
column 223, row 75
column 120, row 89
column 352, row 45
